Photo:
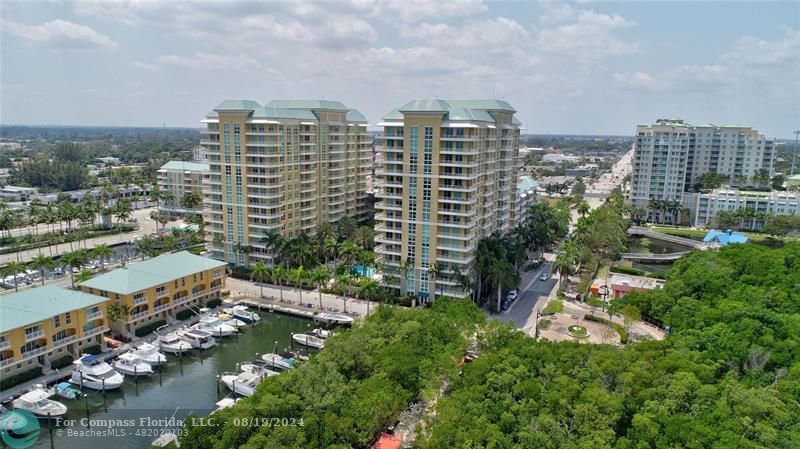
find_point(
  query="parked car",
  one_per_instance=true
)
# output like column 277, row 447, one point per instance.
column 544, row 276
column 512, row 295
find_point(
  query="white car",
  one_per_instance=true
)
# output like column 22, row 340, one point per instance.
column 512, row 295
column 545, row 276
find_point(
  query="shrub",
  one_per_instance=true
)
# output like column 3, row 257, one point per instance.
column 17, row 379
column 636, row 272
column 149, row 328
column 623, row 334
column 543, row 324
column 225, row 293
column 61, row 362
column 94, row 350
column 184, row 314
column 213, row 303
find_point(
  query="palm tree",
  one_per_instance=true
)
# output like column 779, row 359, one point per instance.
column 156, row 195
column 565, row 261
column 330, row 249
column 280, row 274
column 170, row 243
column 191, row 200
column 346, row 227
column 102, row 253
column 405, row 267
column 343, row 284
column 656, row 205
column 84, row 275
column 272, row 241
column 259, row 273
column 368, row 287
column 364, row 237
column 434, row 271
column 319, row 276
column 583, row 208
column 41, row 263
column 503, row 275
column 74, row 259
column 145, row 246
column 349, row 252
column 302, row 250
column 298, row 275
column 13, row 269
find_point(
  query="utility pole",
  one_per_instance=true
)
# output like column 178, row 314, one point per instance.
column 794, row 157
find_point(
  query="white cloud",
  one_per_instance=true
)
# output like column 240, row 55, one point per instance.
column 553, row 13
column 753, row 51
column 211, row 61
column 416, row 10
column 59, row 33
column 590, row 37
column 146, row 66
column 638, row 80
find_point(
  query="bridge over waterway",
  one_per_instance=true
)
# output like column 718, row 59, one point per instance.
column 641, row 231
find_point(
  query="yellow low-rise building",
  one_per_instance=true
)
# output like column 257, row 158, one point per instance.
column 157, row 288
column 45, row 323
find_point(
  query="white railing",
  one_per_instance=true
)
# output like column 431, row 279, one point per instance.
column 95, row 331
column 142, row 300
column 34, row 335
column 34, row 352
column 5, row 344
column 64, row 341
column 162, row 307
column 136, row 316
column 94, row 315
column 6, row 362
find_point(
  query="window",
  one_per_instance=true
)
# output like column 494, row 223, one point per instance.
column 57, row 319
column 68, row 318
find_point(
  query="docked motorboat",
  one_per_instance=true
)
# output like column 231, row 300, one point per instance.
column 199, row 339
column 131, row 365
column 149, row 354
column 309, row 339
column 294, row 355
column 322, row 333
column 38, row 402
column 241, row 312
column 92, row 372
column 258, row 367
column 244, row 383
column 66, row 391
column 224, row 403
column 334, row 318
column 228, row 319
column 172, row 343
column 214, row 326
column 277, row 361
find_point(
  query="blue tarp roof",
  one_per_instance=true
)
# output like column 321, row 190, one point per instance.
column 725, row 237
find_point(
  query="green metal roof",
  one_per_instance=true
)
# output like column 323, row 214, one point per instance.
column 183, row 165
column 526, row 183
column 467, row 110
column 151, row 273
column 40, row 303
column 353, row 115
column 237, row 105
column 277, row 113
column 308, row 104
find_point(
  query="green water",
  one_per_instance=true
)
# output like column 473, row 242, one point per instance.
column 187, row 384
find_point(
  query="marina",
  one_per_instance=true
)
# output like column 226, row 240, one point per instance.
column 188, row 384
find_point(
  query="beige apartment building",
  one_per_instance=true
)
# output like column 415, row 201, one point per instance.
column 449, row 178
column 181, row 178
column 287, row 166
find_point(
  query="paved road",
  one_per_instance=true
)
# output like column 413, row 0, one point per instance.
column 533, row 295
column 239, row 288
column 146, row 226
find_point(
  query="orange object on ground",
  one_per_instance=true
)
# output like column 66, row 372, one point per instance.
column 387, row 441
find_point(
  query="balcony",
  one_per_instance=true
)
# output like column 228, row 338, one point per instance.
column 139, row 315
column 162, row 307
column 142, row 300
column 34, row 352
column 4, row 344
column 94, row 331
column 94, row 315
column 7, row 362
column 34, row 335
column 64, row 341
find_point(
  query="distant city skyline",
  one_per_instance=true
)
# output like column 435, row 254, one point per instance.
column 568, row 68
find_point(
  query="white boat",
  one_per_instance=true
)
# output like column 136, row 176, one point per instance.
column 131, row 365
column 92, row 372
column 277, row 361
column 149, row 354
column 336, row 318
column 214, row 326
column 38, row 402
column 309, row 340
column 241, row 312
column 197, row 338
column 244, row 383
column 258, row 367
column 173, row 343
column 227, row 318
column 322, row 333
column 224, row 403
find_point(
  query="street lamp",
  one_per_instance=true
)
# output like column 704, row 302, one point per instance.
column 604, row 293
column 794, row 157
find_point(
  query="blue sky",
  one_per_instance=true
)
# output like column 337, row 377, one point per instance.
column 581, row 67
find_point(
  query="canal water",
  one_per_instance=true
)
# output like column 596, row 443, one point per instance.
column 653, row 246
column 133, row 416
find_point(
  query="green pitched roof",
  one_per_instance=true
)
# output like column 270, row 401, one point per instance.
column 183, row 165
column 273, row 112
column 308, row 104
column 151, row 273
column 468, row 110
column 40, row 303
column 353, row 115
column 237, row 105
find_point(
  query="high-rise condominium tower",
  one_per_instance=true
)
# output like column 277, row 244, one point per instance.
column 671, row 155
column 287, row 167
column 449, row 178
